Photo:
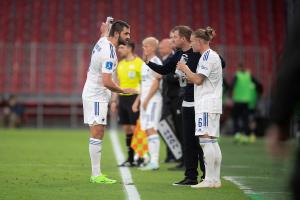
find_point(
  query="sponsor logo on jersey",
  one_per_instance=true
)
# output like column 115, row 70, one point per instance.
column 203, row 67
column 109, row 65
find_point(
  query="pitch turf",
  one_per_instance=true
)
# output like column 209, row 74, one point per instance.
column 54, row 164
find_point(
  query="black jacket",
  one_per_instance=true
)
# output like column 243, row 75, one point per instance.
column 169, row 67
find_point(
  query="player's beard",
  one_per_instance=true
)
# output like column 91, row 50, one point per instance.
column 121, row 41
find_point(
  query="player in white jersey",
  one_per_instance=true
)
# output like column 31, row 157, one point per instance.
column 97, row 92
column 208, row 104
column 150, row 102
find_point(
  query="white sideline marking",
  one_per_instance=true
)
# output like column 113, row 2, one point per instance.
column 132, row 193
column 246, row 189
column 249, row 177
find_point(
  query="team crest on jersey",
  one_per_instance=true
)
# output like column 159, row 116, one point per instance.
column 109, row 65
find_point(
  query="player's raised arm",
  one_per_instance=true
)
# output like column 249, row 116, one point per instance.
column 105, row 27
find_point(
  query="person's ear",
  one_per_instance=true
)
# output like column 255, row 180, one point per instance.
column 116, row 34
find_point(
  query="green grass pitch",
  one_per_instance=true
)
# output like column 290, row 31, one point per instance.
column 54, row 164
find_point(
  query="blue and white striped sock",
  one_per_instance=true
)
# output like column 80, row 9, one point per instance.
column 95, row 147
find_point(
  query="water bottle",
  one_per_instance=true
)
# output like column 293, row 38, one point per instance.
column 180, row 74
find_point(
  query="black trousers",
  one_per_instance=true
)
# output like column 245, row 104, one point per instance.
column 192, row 150
column 240, row 114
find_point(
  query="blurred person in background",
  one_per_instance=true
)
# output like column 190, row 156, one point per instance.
column 245, row 90
column 12, row 112
column 172, row 98
column 285, row 102
column 5, row 112
column 129, row 76
column 256, row 90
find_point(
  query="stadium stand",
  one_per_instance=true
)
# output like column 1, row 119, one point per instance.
column 45, row 45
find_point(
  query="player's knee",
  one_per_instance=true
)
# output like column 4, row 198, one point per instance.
column 204, row 136
column 97, row 131
column 151, row 131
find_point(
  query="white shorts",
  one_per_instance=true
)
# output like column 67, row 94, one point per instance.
column 207, row 123
column 151, row 116
column 94, row 112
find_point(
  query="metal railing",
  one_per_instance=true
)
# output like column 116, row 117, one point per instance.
column 55, row 73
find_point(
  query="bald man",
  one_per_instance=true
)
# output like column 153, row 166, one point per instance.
column 165, row 48
column 151, row 102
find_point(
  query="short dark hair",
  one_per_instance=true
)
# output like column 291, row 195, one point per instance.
column 118, row 26
column 131, row 44
column 183, row 31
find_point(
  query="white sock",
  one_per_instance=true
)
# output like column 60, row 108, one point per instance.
column 95, row 148
column 209, row 158
column 218, row 160
column 153, row 144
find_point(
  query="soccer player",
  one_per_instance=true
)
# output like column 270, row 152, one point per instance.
column 97, row 92
column 208, row 103
column 129, row 76
column 150, row 102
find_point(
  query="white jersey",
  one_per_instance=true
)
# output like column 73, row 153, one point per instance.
column 208, row 95
column 103, row 60
column 148, row 75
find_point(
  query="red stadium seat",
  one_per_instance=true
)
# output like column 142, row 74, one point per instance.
column 214, row 17
column 279, row 25
column 247, row 23
column 198, row 18
column 51, row 25
column 230, row 23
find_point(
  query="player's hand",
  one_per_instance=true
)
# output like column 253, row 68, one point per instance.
column 113, row 107
column 181, row 66
column 129, row 91
column 135, row 106
column 145, row 104
column 104, row 29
